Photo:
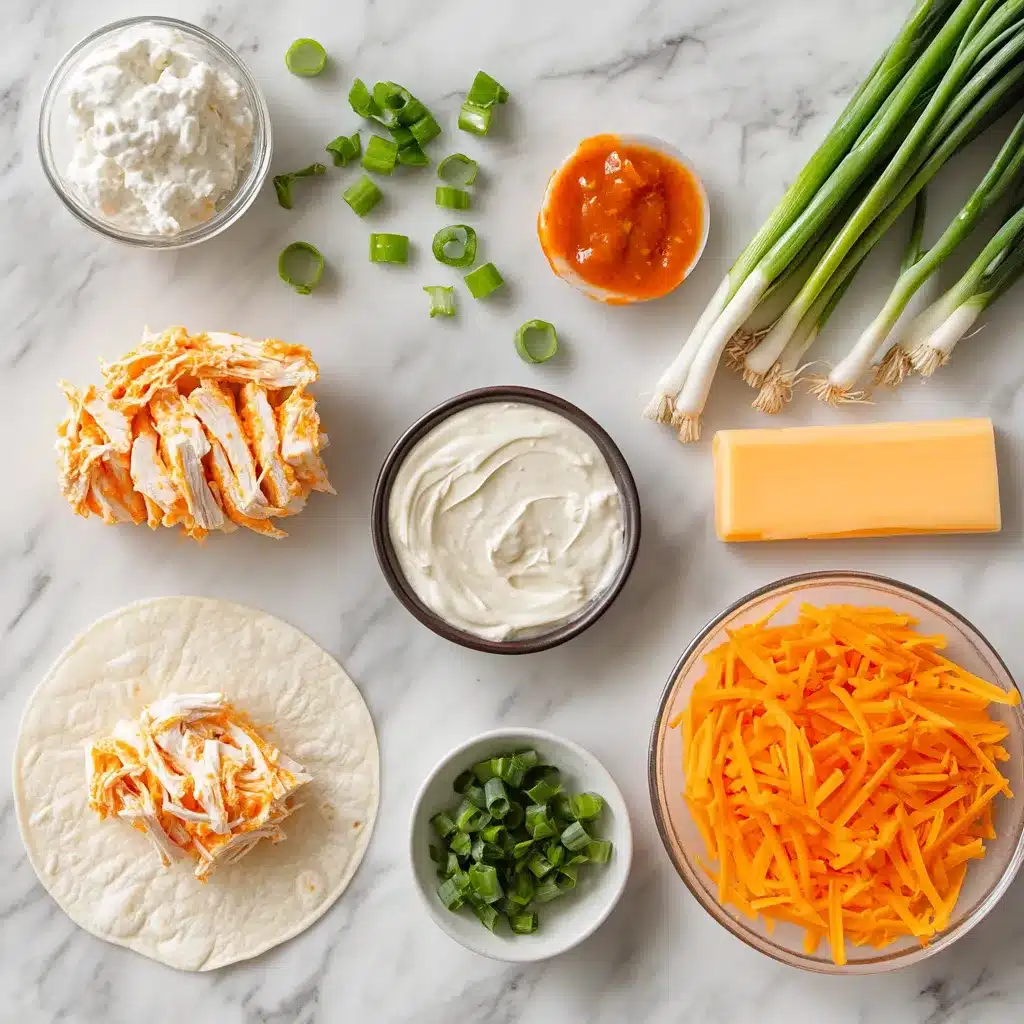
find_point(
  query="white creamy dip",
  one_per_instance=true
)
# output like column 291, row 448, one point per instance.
column 506, row 520
column 161, row 136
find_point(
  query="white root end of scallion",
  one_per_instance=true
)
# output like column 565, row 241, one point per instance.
column 836, row 394
column 776, row 392
column 935, row 350
column 741, row 344
column 688, row 426
column 754, row 377
column 926, row 359
column 893, row 370
column 659, row 409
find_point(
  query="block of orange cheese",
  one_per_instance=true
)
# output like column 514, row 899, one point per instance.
column 868, row 480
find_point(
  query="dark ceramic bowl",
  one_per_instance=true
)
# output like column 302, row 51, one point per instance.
column 392, row 568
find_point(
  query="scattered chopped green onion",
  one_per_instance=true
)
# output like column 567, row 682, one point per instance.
column 487, row 916
column 345, row 148
column 522, row 889
column 306, row 57
column 483, row 879
column 462, row 236
column 457, row 169
column 523, row 924
column 599, row 851
column 463, row 781
column 567, row 876
column 497, row 800
column 451, row 198
column 300, row 265
column 546, row 891
column 536, row 341
column 461, row 844
column 470, row 818
column 483, row 281
column 516, row 815
column 381, row 155
column 539, row 865
column 547, row 786
column 425, row 129
column 397, row 104
column 486, row 91
column 410, row 155
column 484, row 769
column 575, row 837
column 475, row 119
column 538, row 823
column 283, row 182
column 450, row 894
column 362, row 196
column 442, row 303
column 385, row 248
column 443, row 824
column 475, row 795
column 528, row 758
column 361, row 100
column 586, row 806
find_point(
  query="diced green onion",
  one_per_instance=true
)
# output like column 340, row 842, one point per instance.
column 484, row 770
column 599, row 851
column 586, row 806
column 497, row 800
column 538, row 824
column 452, row 866
column 483, row 879
column 475, row 795
column 362, row 196
column 443, row 824
column 547, row 785
column 487, row 916
column 546, row 891
column 381, row 155
column 442, row 302
column 555, row 853
column 397, row 104
column 494, row 833
column 516, row 815
column 523, row 849
column 483, row 281
column 486, row 91
column 475, row 119
column 300, row 265
column 385, row 248
column 436, row 853
column 575, row 837
column 463, row 781
column 345, row 148
column 425, row 129
column 451, row 198
column 522, row 889
column 463, row 237
column 566, row 876
column 484, row 852
column 306, row 57
column 509, row 769
column 457, row 169
column 539, row 865
column 523, row 924
column 461, row 844
column 361, row 100
column 410, row 155
column 528, row 758
column 470, row 818
column 450, row 894
column 283, row 182
column 536, row 341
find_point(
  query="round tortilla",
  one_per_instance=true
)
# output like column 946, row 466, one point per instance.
column 104, row 874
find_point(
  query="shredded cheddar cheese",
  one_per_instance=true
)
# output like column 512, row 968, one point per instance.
column 841, row 772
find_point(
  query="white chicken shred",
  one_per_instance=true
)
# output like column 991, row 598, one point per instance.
column 207, row 431
column 195, row 776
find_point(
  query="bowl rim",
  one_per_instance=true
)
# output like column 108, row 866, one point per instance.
column 388, row 560
column 882, row 963
column 566, row 273
column 623, row 847
column 248, row 187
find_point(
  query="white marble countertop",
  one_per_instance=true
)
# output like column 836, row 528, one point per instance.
column 746, row 90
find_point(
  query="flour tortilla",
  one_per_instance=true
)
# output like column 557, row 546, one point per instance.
column 104, row 874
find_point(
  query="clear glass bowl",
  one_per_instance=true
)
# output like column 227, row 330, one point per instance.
column 56, row 135
column 986, row 880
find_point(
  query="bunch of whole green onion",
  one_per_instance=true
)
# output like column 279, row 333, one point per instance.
column 955, row 67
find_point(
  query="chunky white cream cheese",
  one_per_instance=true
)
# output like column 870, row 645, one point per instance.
column 161, row 135
column 506, row 520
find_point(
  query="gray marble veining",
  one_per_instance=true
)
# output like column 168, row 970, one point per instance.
column 746, row 90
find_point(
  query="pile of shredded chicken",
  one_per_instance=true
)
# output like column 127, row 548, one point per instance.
column 207, row 431
column 196, row 778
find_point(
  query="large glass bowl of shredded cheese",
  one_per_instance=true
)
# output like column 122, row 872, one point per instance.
column 856, row 778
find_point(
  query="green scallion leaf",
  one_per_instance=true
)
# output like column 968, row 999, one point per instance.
column 548, row 785
column 497, row 799
column 487, row 916
column 522, row 889
column 410, row 155
column 300, row 265
column 443, row 824
column 361, row 100
column 516, row 815
column 458, row 170
column 539, row 865
column 483, row 770
column 475, row 795
column 451, row 198
column 397, row 104
column 442, row 302
column 306, row 57
column 523, row 924
column 483, row 281
column 475, row 119
column 566, row 876
column 386, row 248
column 536, row 341
column 463, row 781
column 470, row 818
column 345, row 148
column 283, row 182
column 450, row 894
column 381, row 155
column 599, row 851
column 452, row 866
column 362, row 196
column 586, row 806
column 425, row 129
column 461, row 844
column 528, row 758
column 486, row 91
column 463, row 240
column 522, row 849
column 483, row 879
column 575, row 837
column 538, row 823
column 546, row 891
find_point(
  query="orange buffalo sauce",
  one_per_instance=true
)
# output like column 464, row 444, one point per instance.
column 625, row 218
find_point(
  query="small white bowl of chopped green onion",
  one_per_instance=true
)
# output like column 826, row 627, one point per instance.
column 521, row 844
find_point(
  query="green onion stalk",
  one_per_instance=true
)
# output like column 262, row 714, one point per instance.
column 993, row 89
column 833, row 172
column 934, row 333
column 923, row 140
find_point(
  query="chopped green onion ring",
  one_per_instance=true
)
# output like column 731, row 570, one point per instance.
column 475, row 119
column 381, row 155
column 497, row 799
column 283, row 182
column 410, row 155
column 362, row 196
column 451, row 198
column 306, row 57
column 486, row 91
column 483, row 281
column 462, row 236
column 586, row 806
column 345, row 148
column 599, row 851
column 300, row 265
column 442, row 303
column 425, row 129
column 575, row 837
column 536, row 341
column 361, row 100
column 397, row 104
column 458, row 169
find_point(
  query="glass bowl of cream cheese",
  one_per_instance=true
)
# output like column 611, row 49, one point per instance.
column 506, row 520
column 154, row 132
